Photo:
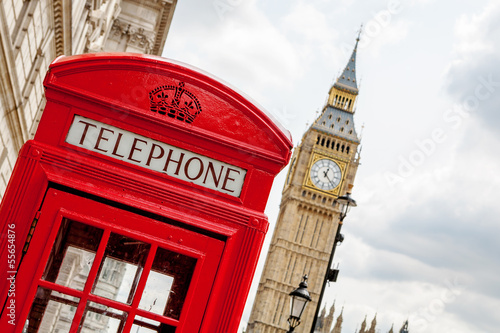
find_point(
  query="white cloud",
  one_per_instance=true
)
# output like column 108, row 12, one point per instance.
column 310, row 30
column 393, row 33
column 308, row 22
column 474, row 35
column 426, row 305
column 244, row 47
column 403, row 241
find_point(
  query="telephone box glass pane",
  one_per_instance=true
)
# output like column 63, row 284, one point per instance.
column 167, row 283
column 72, row 254
column 102, row 319
column 121, row 268
column 155, row 295
column 51, row 312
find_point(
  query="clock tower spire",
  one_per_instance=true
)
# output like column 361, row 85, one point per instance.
column 323, row 168
column 347, row 80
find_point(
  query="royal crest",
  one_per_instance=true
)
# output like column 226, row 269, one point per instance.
column 175, row 102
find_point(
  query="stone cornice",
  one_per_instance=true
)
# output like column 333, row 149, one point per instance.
column 163, row 26
column 62, row 27
column 310, row 205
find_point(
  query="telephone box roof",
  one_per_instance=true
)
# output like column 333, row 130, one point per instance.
column 197, row 101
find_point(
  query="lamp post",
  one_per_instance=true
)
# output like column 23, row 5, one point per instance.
column 345, row 203
column 300, row 298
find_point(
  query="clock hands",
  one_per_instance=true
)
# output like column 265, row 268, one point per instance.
column 325, row 173
column 327, row 177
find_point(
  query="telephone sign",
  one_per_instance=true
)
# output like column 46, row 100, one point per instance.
column 154, row 155
column 139, row 204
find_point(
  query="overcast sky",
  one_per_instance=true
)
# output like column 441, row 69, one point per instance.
column 422, row 243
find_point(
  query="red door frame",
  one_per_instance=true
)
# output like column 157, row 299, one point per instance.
column 58, row 205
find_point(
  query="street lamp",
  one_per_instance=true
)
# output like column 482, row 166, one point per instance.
column 300, row 298
column 345, row 203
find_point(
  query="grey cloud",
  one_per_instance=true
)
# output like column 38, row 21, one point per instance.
column 475, row 87
column 473, row 81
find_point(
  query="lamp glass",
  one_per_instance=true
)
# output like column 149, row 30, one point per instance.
column 298, row 306
column 346, row 208
column 341, row 206
column 345, row 204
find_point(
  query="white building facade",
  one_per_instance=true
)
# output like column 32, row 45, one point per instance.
column 34, row 32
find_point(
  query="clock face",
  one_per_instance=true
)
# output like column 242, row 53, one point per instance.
column 326, row 174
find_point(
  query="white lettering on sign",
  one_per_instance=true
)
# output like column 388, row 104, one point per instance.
column 155, row 155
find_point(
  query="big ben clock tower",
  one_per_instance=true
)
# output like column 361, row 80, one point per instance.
column 323, row 168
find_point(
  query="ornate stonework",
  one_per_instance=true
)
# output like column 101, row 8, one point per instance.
column 133, row 35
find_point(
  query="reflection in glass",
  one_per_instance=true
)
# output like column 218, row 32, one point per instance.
column 102, row 319
column 121, row 268
column 72, row 254
column 51, row 312
column 168, row 283
column 116, row 280
column 155, row 295
column 75, row 268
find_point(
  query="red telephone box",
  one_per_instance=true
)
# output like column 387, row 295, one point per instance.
column 138, row 207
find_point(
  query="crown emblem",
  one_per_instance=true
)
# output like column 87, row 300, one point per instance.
column 175, row 102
